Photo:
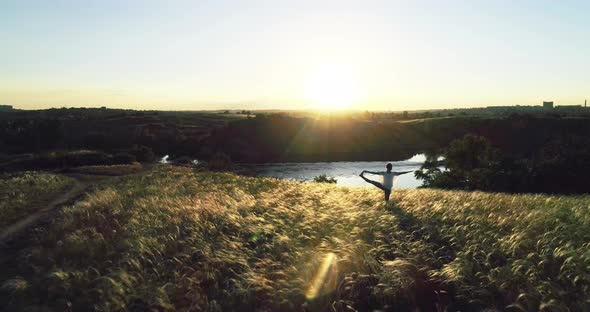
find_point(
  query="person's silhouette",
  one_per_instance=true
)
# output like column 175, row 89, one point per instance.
column 387, row 180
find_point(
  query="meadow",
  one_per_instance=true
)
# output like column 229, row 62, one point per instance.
column 176, row 239
column 23, row 193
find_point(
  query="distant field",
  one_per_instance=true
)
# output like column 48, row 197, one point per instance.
column 28, row 131
column 174, row 239
column 111, row 170
column 23, row 193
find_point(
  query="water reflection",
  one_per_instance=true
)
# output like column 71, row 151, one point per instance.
column 346, row 172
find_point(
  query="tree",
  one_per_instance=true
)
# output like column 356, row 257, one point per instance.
column 430, row 171
column 143, row 153
column 469, row 153
column 562, row 166
column 470, row 163
column 219, row 162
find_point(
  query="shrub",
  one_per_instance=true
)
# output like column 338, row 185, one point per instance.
column 183, row 160
column 143, row 153
column 112, row 170
column 123, row 158
column 219, row 162
column 324, row 179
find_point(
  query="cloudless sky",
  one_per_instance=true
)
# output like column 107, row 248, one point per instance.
column 261, row 54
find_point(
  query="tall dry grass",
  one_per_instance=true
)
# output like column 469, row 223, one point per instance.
column 174, row 239
column 23, row 193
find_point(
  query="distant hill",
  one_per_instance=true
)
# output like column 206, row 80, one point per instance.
column 254, row 137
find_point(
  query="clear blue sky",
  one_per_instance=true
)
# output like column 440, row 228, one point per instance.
column 268, row 54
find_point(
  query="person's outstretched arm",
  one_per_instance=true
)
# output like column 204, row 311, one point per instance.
column 402, row 172
column 371, row 172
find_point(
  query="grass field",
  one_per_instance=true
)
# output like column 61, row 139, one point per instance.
column 23, row 193
column 175, row 239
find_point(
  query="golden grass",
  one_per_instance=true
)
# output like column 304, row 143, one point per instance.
column 23, row 193
column 174, row 239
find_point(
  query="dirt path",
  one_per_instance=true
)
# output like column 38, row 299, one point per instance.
column 81, row 184
column 14, row 229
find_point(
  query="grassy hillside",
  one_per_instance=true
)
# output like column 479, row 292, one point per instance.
column 175, row 239
column 23, row 193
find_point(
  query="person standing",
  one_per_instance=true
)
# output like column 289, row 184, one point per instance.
column 387, row 179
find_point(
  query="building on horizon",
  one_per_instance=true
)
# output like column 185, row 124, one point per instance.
column 548, row 105
column 573, row 106
column 6, row 108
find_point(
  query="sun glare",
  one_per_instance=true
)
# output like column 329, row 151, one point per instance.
column 333, row 87
column 325, row 274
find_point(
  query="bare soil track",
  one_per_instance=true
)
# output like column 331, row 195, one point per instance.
column 15, row 229
column 81, row 184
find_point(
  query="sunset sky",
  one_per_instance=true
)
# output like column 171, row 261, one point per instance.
column 366, row 55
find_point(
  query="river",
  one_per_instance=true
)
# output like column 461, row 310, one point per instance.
column 345, row 172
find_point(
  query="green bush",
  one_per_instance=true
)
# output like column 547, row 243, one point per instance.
column 143, row 153
column 324, row 179
column 219, row 162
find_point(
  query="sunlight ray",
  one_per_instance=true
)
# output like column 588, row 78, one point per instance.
column 321, row 275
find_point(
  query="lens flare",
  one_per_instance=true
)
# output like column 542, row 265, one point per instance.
column 328, row 265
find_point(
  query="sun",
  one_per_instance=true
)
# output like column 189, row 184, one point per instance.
column 333, row 87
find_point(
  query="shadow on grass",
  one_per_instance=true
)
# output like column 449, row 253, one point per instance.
column 421, row 230
column 407, row 221
column 429, row 294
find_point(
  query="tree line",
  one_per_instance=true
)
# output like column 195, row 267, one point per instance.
column 561, row 165
column 517, row 153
